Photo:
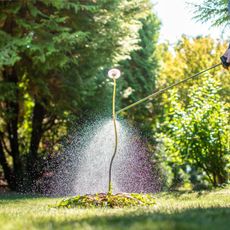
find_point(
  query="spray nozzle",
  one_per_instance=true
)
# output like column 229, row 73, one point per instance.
column 224, row 61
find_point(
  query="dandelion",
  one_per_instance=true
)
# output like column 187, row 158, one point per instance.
column 114, row 73
column 128, row 92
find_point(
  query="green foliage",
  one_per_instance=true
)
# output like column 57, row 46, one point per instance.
column 139, row 74
column 196, row 133
column 50, row 55
column 103, row 200
column 189, row 56
column 215, row 11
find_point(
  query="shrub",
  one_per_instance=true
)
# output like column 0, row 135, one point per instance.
column 195, row 135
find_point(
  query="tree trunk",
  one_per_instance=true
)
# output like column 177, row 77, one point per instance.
column 6, row 169
column 222, row 177
column 37, row 131
column 214, row 179
column 13, row 139
column 12, row 111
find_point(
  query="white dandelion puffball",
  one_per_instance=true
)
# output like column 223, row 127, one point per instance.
column 114, row 73
column 128, row 92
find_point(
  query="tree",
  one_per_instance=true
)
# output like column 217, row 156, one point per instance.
column 139, row 74
column 138, row 79
column 215, row 11
column 50, row 53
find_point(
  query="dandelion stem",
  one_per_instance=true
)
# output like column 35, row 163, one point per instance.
column 116, row 138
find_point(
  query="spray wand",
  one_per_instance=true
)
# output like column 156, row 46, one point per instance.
column 150, row 97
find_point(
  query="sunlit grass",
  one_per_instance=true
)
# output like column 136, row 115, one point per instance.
column 182, row 210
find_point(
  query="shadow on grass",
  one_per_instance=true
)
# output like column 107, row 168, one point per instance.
column 202, row 219
column 19, row 196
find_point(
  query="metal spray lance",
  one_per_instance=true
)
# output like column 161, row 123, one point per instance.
column 151, row 96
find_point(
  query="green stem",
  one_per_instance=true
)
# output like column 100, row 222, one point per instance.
column 116, row 138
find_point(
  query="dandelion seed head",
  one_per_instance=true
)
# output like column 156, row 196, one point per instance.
column 114, row 73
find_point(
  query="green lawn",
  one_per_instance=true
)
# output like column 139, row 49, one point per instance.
column 184, row 210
